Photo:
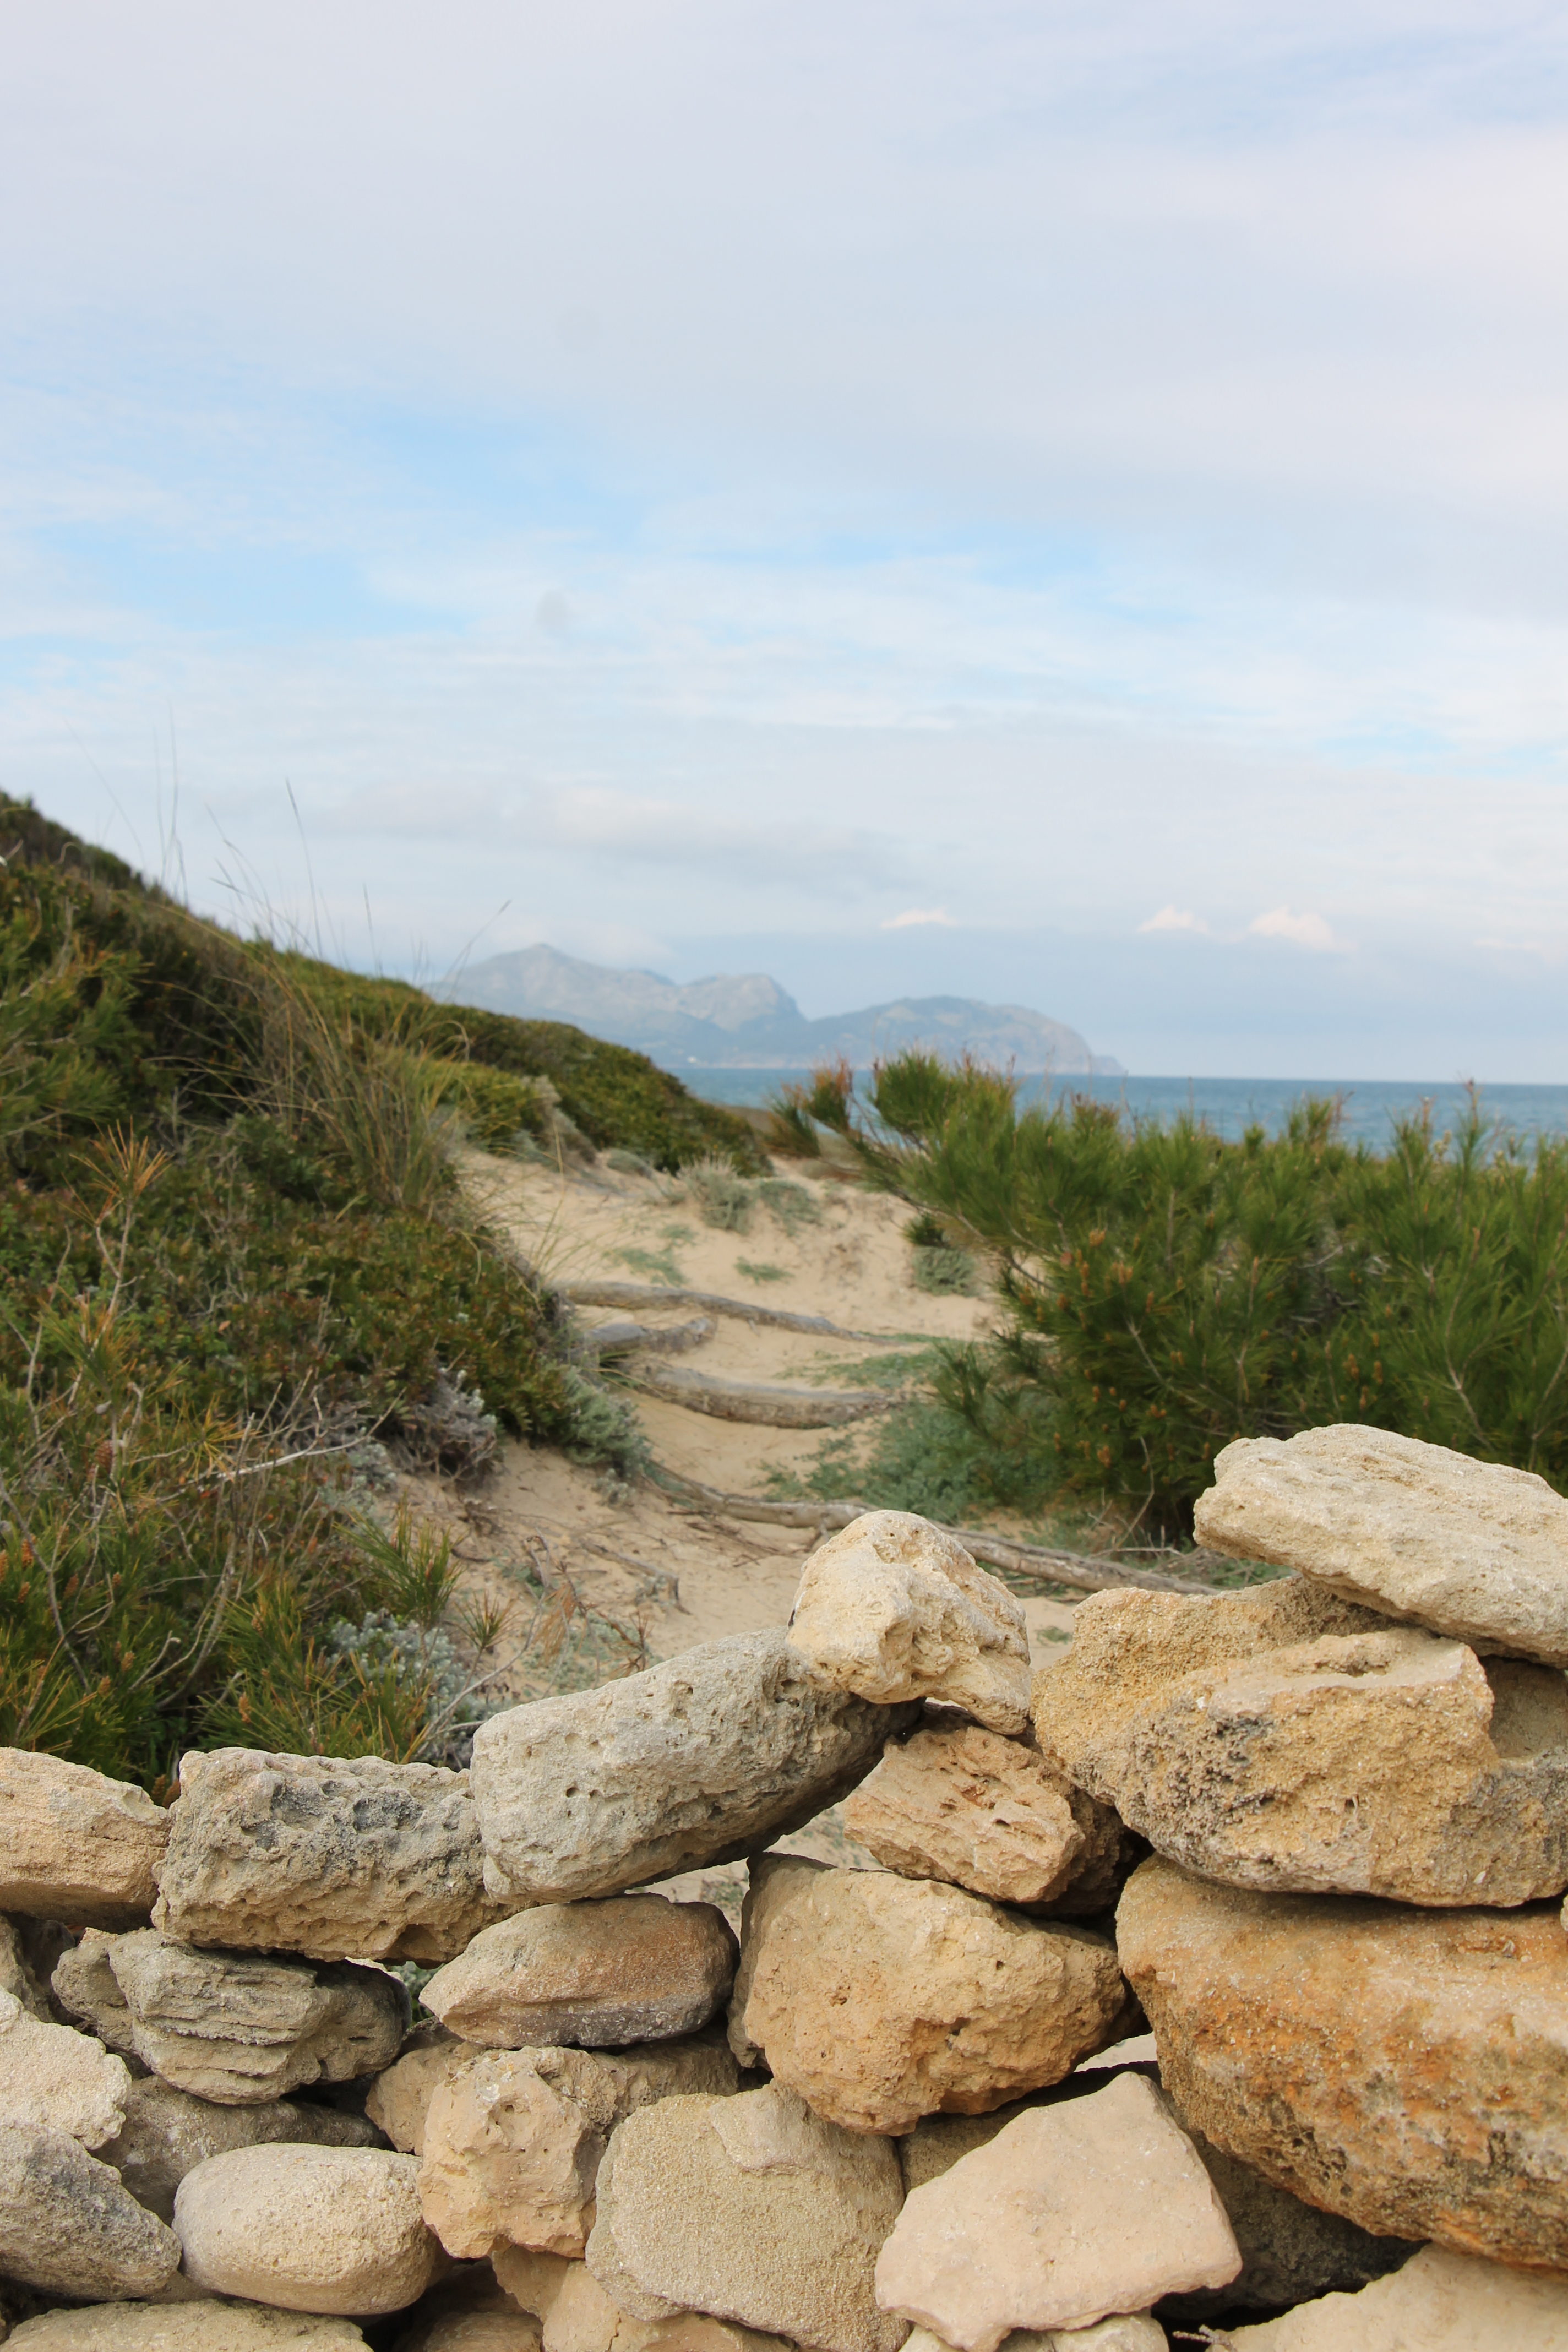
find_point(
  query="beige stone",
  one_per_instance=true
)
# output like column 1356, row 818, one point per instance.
column 1440, row 2302
column 1077, row 2211
column 310, row 2228
column 69, row 2225
column 1126, row 2331
column 1473, row 1549
column 1403, row 2068
column 16, row 1975
column 881, row 1998
column 892, row 1608
column 749, row 2209
column 398, row 2100
column 1285, row 1740
column 331, row 1857
column 207, row 2325
column 772, row 1878
column 166, row 2133
column 74, row 1845
column 85, row 1985
column 533, row 2280
column 712, row 1755
column 234, row 2027
column 580, row 2317
column 635, row 1967
column 991, row 1815
column 50, row 2075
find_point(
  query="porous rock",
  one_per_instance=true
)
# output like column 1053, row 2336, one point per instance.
column 634, row 1968
column 333, row 1857
column 85, row 1985
column 17, row 1974
column 708, row 1756
column 233, row 2027
column 1473, row 1549
column 166, row 2133
column 398, row 2100
column 70, row 2226
column 1097, row 2206
column 881, row 1998
column 1403, row 2068
column 1286, row 1739
column 333, row 2229
column 75, row 1846
column 893, row 1608
column 1440, row 2302
column 206, row 2324
column 989, row 1814
column 751, row 2208
column 50, row 2075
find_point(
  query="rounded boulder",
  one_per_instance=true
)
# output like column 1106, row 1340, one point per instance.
column 332, row 2230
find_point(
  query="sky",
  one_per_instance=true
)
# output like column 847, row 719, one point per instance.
column 1058, row 503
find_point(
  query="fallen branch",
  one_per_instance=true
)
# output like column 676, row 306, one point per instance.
column 775, row 1408
column 780, row 1318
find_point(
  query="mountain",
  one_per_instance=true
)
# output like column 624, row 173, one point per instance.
column 747, row 1021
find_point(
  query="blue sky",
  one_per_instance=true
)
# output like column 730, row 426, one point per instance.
column 1064, row 503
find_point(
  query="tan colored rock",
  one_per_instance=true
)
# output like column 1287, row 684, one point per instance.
column 16, row 1975
column 1472, row 1550
column 234, row 2027
column 75, row 1846
column 892, row 1608
column 1402, row 2068
column 772, row 1878
column 50, row 2075
column 753, row 2209
column 1126, row 2331
column 533, row 2280
column 205, row 2325
column 1077, row 2211
column 991, row 1815
column 331, row 1857
column 881, row 2000
column 167, row 2132
column 85, row 1985
column 1284, row 1738
column 580, row 2317
column 635, row 1967
column 472, row 2331
column 708, row 1756
column 398, row 2100
column 310, row 2228
column 1440, row 2302
column 68, row 2226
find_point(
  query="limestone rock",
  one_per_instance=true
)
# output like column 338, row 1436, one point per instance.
column 580, row 2317
column 398, row 2100
column 1076, row 2211
column 85, row 1985
column 533, row 2280
column 1440, row 2302
column 75, row 1846
column 310, row 2228
column 1127, row 2331
column 70, row 2226
column 492, row 2327
column 1284, row 1738
column 204, row 2326
column 772, row 1878
column 50, row 2075
column 334, row 1858
column 751, row 2208
column 881, row 2000
column 892, row 1608
column 1472, row 1550
column 992, row 1815
column 235, row 2028
column 635, row 1967
column 166, row 2133
column 708, row 1756
column 16, row 1975
column 1402, row 2068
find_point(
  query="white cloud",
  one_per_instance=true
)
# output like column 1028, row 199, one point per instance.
column 1304, row 930
column 1174, row 919
column 912, row 917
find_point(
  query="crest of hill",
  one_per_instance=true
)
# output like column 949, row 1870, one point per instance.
column 746, row 1020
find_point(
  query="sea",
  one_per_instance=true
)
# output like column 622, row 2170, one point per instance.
column 1369, row 1109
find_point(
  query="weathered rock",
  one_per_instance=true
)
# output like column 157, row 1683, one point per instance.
column 334, row 1858
column 751, row 2208
column 635, row 1967
column 50, row 2075
column 708, row 1756
column 398, row 2100
column 85, row 1985
column 992, row 1815
column 1402, row 2068
column 580, row 2317
column 1472, row 1550
column 310, row 2228
column 16, row 1975
column 881, row 2000
column 513, row 2140
column 1126, row 2331
column 204, row 2326
column 1076, row 2211
column 533, row 2280
column 892, row 1608
column 233, row 2027
column 167, row 2132
column 1286, row 1739
column 75, row 1846
column 1440, row 2302
column 773, row 1878
column 471, row 2331
column 70, row 2226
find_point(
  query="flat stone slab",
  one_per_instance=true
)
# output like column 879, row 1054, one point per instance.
column 1440, row 2302
column 631, row 1968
